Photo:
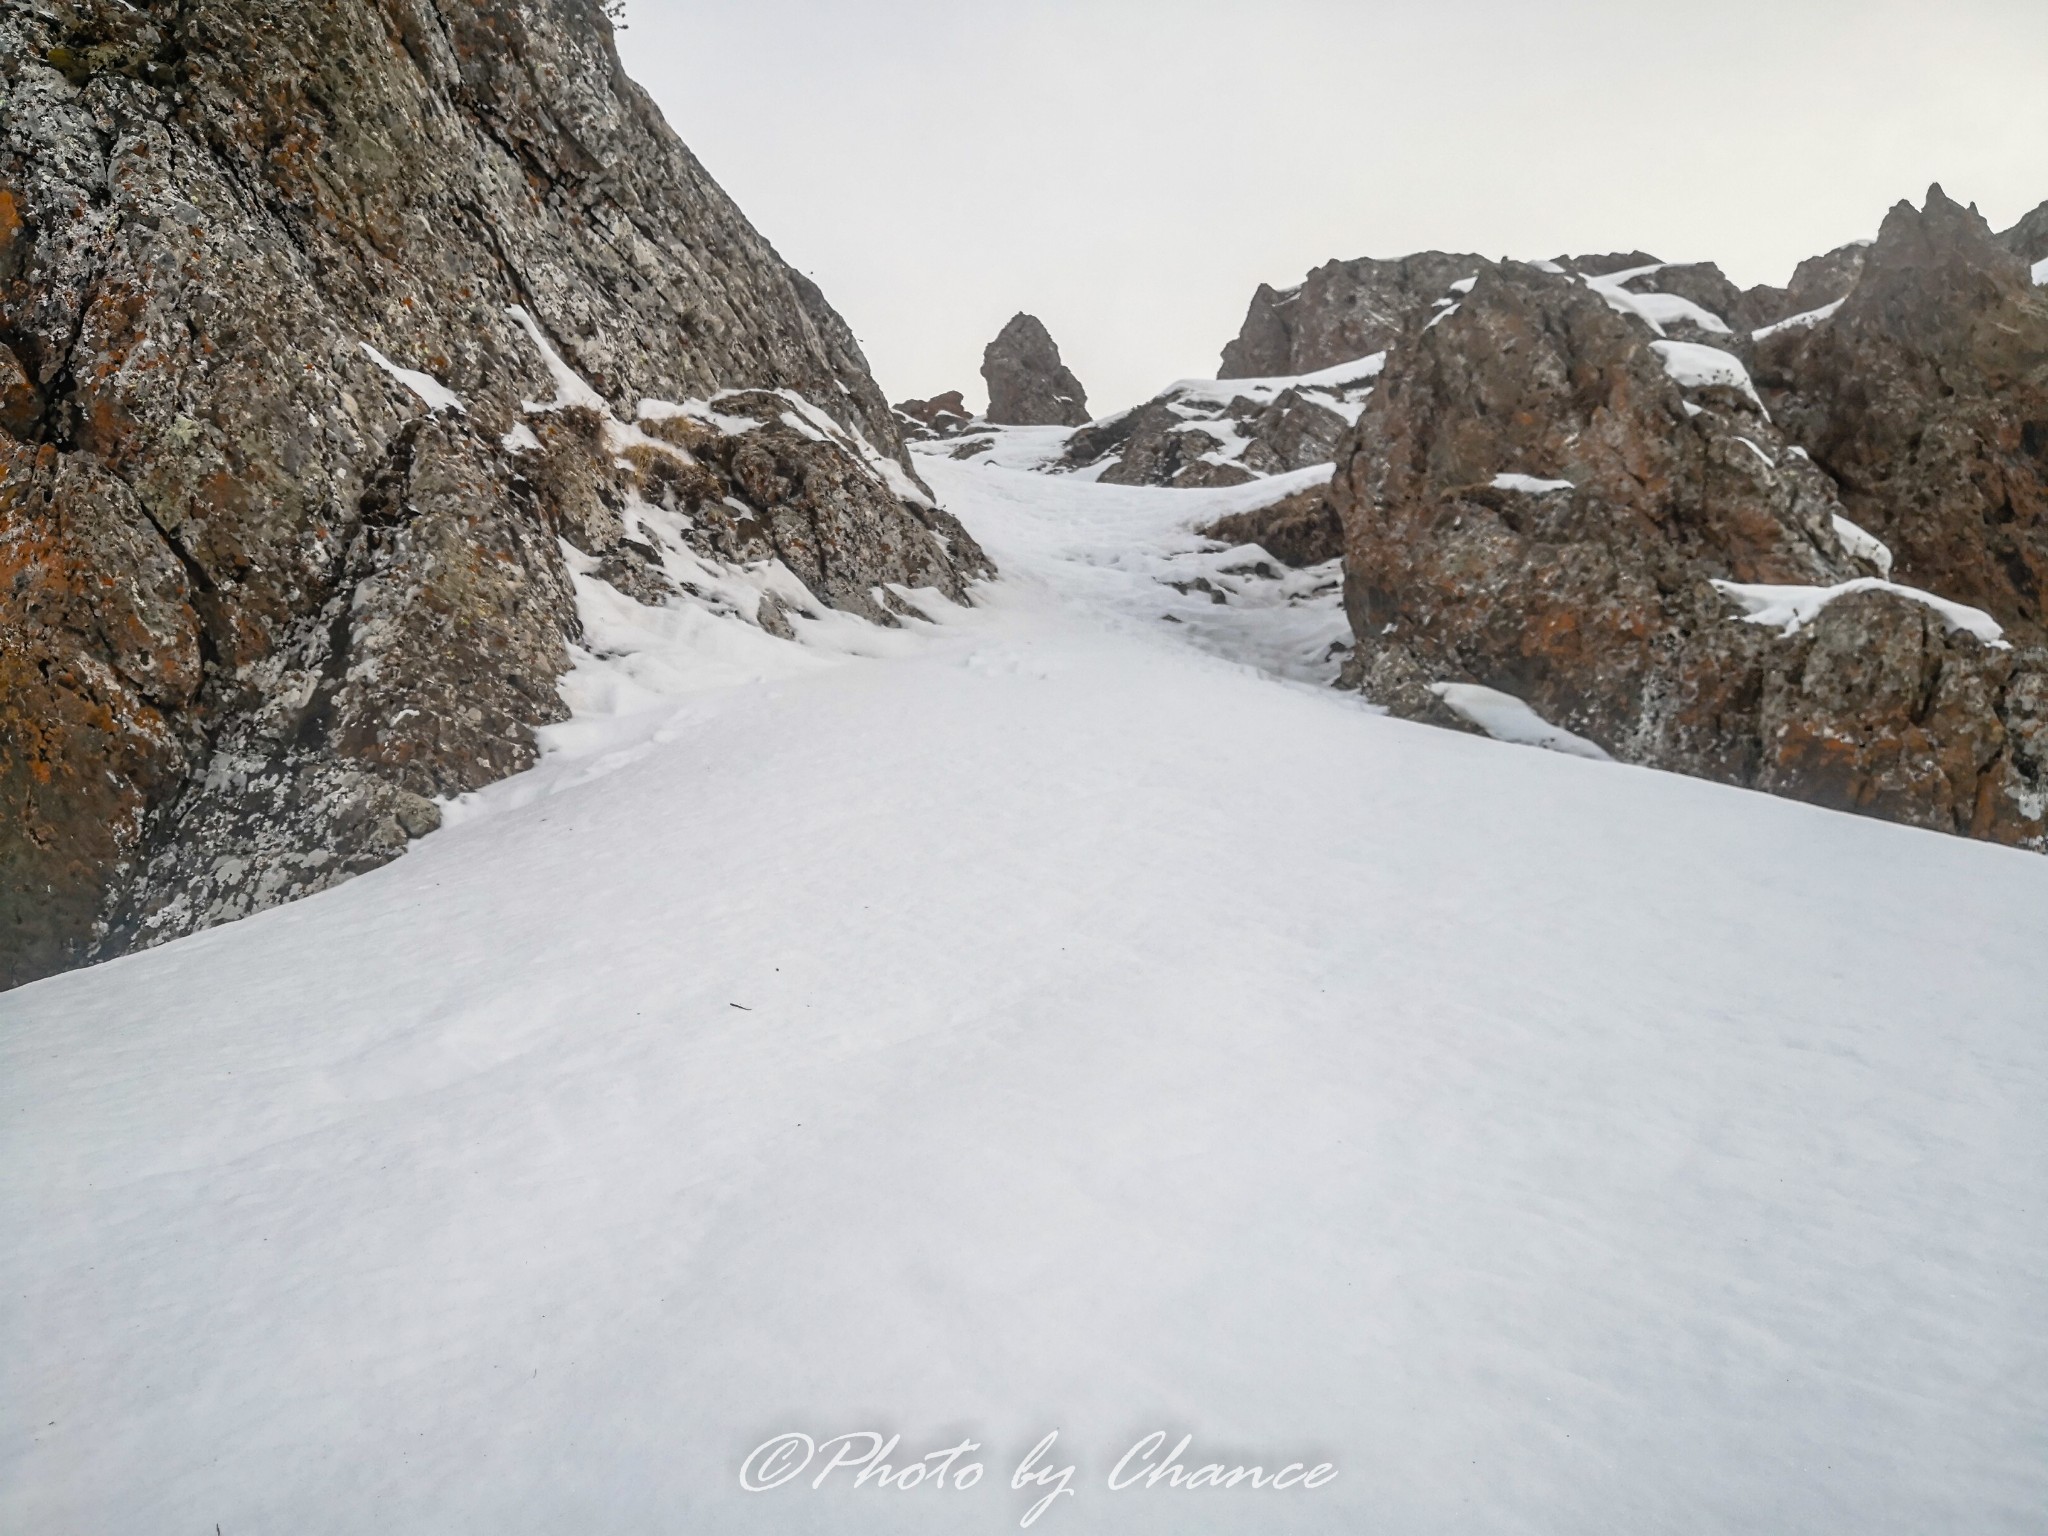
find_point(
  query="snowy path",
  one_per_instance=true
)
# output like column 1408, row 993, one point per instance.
column 1052, row 1025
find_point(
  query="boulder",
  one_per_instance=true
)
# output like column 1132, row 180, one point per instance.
column 1028, row 385
column 1300, row 530
column 941, row 417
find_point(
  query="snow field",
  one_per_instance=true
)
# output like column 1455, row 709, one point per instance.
column 1054, row 1019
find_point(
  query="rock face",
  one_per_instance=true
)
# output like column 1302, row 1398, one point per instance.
column 1541, row 498
column 1344, row 311
column 2028, row 239
column 1926, row 398
column 1028, row 385
column 282, row 546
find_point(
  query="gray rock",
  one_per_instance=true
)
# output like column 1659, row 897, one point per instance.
column 1819, row 282
column 1028, row 385
column 1344, row 311
column 935, row 420
column 2028, row 239
column 1196, row 436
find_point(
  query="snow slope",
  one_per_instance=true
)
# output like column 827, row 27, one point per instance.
column 1060, row 1019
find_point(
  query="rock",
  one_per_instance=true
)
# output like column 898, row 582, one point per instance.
column 1533, row 503
column 1345, row 310
column 1878, row 709
column 937, row 419
column 1926, row 398
column 2028, row 239
column 1028, row 385
column 276, row 579
column 1819, row 282
column 1608, row 265
column 1703, row 284
column 1203, row 433
column 1299, row 530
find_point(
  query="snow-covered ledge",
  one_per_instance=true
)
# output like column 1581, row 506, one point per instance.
column 1793, row 608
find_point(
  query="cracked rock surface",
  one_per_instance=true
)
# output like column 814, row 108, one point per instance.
column 276, row 569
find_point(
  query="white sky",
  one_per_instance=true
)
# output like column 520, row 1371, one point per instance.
column 1130, row 170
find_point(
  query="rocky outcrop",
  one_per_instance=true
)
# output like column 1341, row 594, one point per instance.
column 1546, row 498
column 1202, row 432
column 934, row 420
column 1818, row 282
column 1926, row 398
column 1300, row 530
column 1028, row 385
column 1344, row 311
column 283, row 544
column 2028, row 239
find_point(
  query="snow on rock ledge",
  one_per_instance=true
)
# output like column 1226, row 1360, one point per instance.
column 1804, row 322
column 1864, row 545
column 1694, row 366
column 1793, row 608
column 1506, row 718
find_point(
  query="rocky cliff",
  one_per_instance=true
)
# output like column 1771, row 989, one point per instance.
column 1571, row 493
column 324, row 329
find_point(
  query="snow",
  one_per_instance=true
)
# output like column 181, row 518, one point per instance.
column 1323, row 384
column 1758, row 451
column 570, row 389
column 1695, row 366
column 1530, row 484
column 1204, row 405
column 1657, row 310
column 1801, row 322
column 432, row 393
column 1051, row 1018
column 1668, row 309
column 2041, row 274
column 1864, row 545
column 1794, row 607
column 1507, row 718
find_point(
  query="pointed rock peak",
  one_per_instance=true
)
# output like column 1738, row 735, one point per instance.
column 1942, row 212
column 1931, row 270
column 1026, row 336
column 1028, row 384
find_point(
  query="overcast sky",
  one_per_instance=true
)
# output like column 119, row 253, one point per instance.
column 1131, row 170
